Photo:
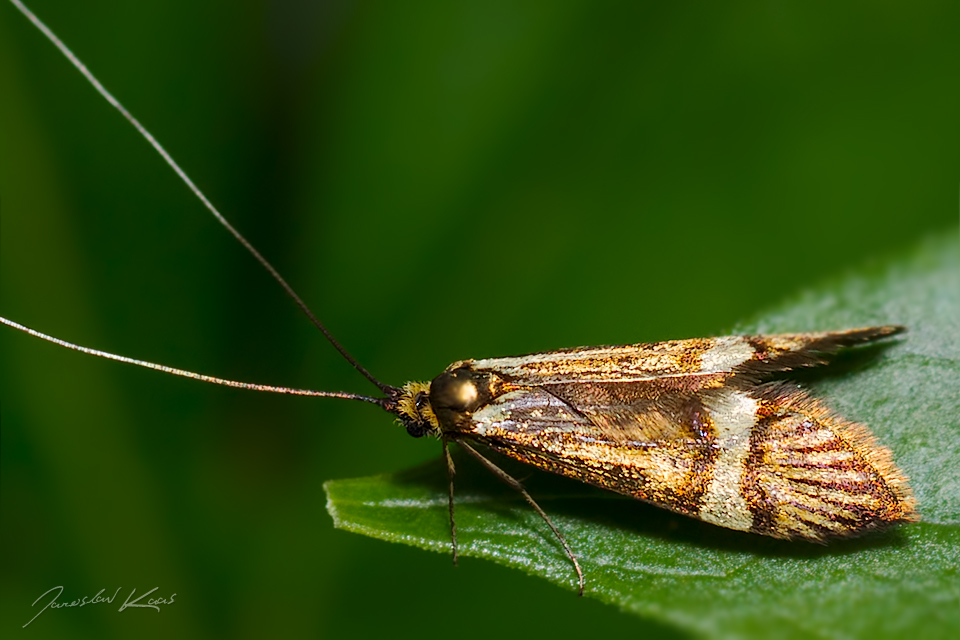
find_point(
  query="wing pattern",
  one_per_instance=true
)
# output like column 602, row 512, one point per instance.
column 687, row 425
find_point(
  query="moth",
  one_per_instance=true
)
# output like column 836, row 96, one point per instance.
column 703, row 427
column 690, row 425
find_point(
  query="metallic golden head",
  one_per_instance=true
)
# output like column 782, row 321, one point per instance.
column 414, row 411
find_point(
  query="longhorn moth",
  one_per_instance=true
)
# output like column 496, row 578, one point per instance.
column 698, row 426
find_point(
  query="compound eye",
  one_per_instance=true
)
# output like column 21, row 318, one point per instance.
column 416, row 430
column 421, row 400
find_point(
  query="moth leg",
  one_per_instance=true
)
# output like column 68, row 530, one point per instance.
column 510, row 480
column 451, row 472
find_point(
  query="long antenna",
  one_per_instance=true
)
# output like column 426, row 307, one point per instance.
column 191, row 374
column 82, row 68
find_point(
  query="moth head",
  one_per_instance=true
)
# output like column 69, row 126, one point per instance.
column 414, row 410
column 460, row 391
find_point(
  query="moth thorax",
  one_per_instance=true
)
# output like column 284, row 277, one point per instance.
column 457, row 393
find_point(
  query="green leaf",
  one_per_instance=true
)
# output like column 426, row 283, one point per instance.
column 723, row 583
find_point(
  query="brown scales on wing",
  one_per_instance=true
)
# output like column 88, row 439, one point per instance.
column 813, row 475
column 686, row 425
column 650, row 454
column 692, row 360
column 792, row 351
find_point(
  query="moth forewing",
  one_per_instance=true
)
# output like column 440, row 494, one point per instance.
column 688, row 425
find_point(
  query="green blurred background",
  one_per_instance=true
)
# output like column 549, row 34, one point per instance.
column 439, row 181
